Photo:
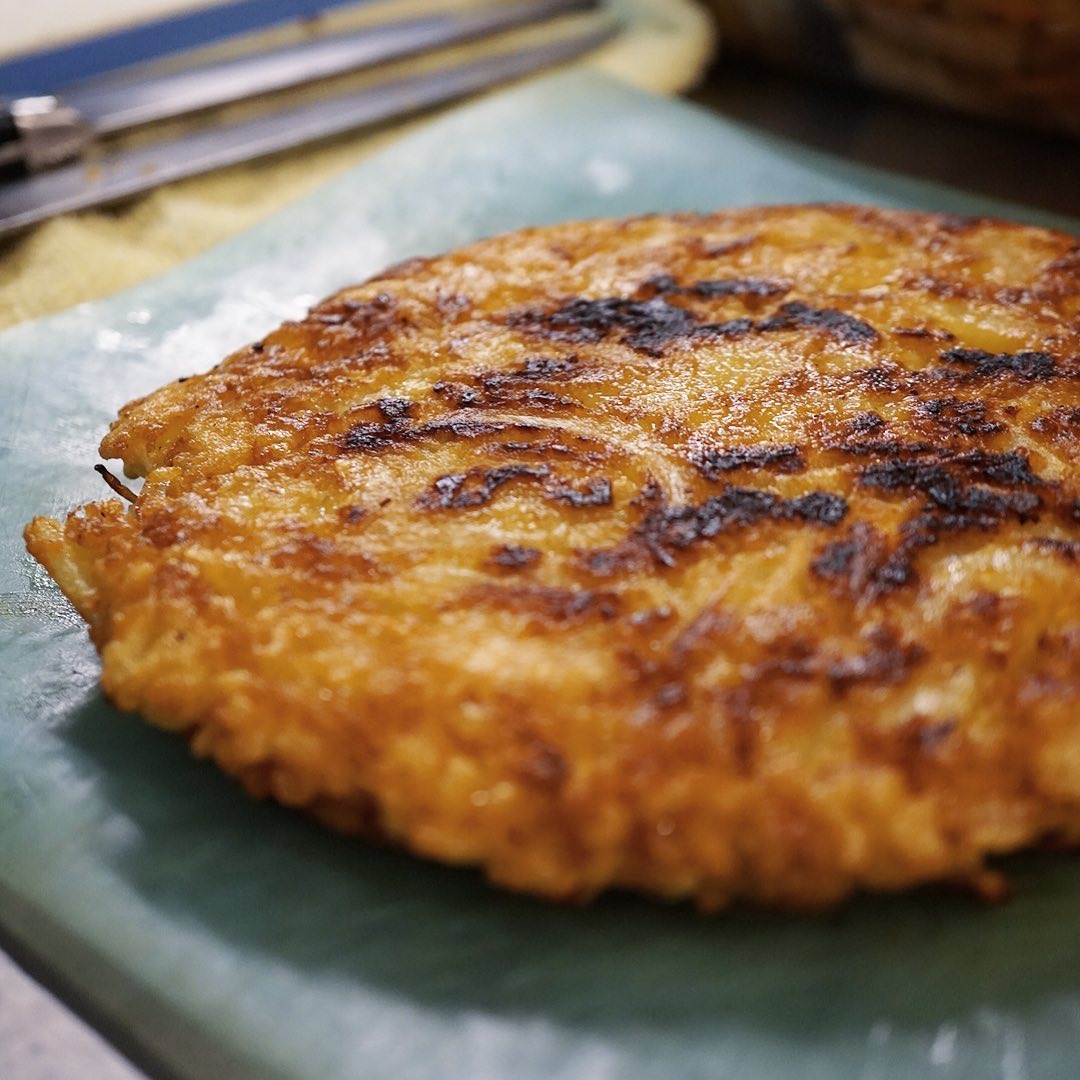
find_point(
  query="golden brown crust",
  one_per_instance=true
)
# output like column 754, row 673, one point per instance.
column 719, row 556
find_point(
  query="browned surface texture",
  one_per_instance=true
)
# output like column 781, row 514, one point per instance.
column 719, row 556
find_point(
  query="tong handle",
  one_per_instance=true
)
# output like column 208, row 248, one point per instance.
column 12, row 161
column 38, row 133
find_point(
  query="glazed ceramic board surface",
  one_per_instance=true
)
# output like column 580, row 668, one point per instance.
column 211, row 935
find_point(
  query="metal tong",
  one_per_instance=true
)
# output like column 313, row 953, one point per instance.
column 53, row 148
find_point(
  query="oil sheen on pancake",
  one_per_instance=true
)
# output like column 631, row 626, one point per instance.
column 728, row 557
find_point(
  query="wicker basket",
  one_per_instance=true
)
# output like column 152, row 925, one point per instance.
column 1013, row 59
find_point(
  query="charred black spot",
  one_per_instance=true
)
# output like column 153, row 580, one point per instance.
column 882, row 448
column 884, row 660
column 374, row 314
column 930, row 736
column 836, row 559
column 883, row 378
column 669, row 529
column 713, row 462
column 550, row 604
column 1062, row 424
column 929, row 468
column 1008, row 470
column 1069, row 550
column 930, row 333
column 864, row 564
column 351, row 515
column 926, row 467
column 974, row 508
column 937, row 474
column 534, row 369
column 604, row 562
column 958, row 505
column 660, row 284
column 681, row 526
column 647, row 325
column 865, row 423
column 257, row 347
column 847, row 329
column 894, row 572
column 731, row 328
column 651, row 494
column 530, row 447
column 462, row 491
column 463, row 397
column 819, row 507
column 371, row 436
column 962, row 491
column 394, row 408
column 1027, row 365
column 547, row 367
column 536, row 397
column 650, row 325
column 739, row 287
column 514, row 557
column 500, row 388
column 469, row 427
column 597, row 492
column 963, row 417
column 582, row 449
column 887, row 661
column 394, row 427
column 665, row 284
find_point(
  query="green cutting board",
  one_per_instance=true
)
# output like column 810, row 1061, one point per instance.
column 213, row 936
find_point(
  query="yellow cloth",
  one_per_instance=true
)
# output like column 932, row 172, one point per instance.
column 663, row 46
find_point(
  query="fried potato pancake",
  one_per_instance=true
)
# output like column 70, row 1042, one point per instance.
column 727, row 556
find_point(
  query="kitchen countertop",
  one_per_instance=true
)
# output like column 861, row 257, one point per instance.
column 42, row 1040
column 898, row 136
column 39, row 1038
